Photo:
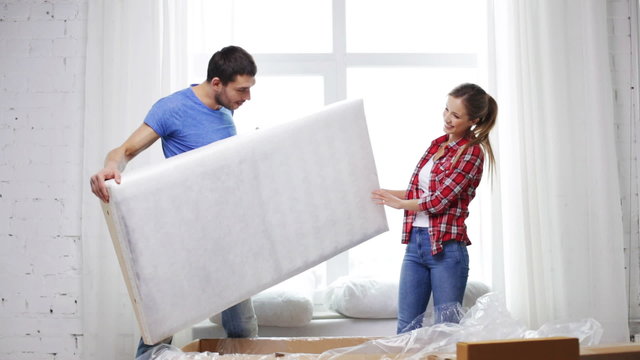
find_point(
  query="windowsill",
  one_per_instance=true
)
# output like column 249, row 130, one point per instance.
column 327, row 314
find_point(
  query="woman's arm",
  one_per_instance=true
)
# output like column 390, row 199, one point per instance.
column 395, row 199
column 401, row 194
column 467, row 168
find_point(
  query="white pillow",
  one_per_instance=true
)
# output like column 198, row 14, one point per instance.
column 288, row 304
column 378, row 298
column 283, row 308
column 472, row 292
column 363, row 297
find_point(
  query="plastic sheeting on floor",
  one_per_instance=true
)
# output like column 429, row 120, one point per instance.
column 488, row 319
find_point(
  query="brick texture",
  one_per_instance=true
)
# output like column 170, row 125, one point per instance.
column 42, row 46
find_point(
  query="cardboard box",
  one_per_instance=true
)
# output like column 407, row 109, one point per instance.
column 280, row 348
column 556, row 348
column 560, row 348
column 312, row 345
column 628, row 351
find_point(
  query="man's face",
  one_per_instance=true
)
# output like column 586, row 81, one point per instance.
column 235, row 93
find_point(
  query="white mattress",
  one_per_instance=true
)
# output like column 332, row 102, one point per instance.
column 206, row 229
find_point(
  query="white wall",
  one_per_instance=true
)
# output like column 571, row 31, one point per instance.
column 42, row 51
column 623, row 30
column 42, row 45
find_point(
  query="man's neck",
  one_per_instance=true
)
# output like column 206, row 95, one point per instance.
column 205, row 93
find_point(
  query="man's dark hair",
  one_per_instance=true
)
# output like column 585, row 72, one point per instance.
column 230, row 62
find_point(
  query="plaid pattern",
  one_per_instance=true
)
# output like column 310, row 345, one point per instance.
column 451, row 189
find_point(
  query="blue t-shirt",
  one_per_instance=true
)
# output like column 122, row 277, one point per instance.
column 184, row 123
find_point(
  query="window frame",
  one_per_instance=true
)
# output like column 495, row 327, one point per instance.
column 332, row 67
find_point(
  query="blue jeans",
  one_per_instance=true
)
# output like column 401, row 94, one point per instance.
column 239, row 321
column 445, row 274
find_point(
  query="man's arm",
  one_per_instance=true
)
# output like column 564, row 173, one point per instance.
column 118, row 158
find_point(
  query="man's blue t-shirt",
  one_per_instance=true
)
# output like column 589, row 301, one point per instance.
column 184, row 123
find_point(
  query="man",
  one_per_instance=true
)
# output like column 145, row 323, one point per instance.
column 186, row 120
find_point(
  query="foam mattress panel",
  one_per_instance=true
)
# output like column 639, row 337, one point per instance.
column 204, row 230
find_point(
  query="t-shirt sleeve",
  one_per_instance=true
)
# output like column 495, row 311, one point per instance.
column 159, row 119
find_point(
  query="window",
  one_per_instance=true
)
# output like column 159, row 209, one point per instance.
column 400, row 56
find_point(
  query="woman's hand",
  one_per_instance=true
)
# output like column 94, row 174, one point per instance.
column 387, row 197
column 384, row 197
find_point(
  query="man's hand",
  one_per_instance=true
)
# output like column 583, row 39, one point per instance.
column 98, row 186
column 118, row 158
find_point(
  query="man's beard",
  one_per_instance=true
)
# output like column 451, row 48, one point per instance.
column 222, row 102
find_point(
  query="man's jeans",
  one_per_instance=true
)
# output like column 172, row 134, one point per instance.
column 444, row 273
column 239, row 321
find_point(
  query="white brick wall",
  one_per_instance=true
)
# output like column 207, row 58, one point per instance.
column 42, row 45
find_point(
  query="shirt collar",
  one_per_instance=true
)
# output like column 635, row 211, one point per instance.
column 454, row 145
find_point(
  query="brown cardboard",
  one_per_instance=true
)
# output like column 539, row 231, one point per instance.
column 627, row 351
column 288, row 348
column 556, row 348
column 273, row 345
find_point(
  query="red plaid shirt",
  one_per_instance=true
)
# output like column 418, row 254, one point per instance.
column 451, row 189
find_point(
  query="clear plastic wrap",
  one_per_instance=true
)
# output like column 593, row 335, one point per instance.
column 488, row 319
column 170, row 352
column 588, row 331
column 444, row 313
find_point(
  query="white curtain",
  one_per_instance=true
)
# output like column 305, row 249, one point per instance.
column 560, row 236
column 132, row 57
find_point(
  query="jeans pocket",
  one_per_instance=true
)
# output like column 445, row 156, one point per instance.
column 452, row 251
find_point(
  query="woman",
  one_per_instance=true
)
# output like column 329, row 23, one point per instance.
column 436, row 205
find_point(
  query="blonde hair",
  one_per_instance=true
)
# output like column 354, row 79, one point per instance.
column 479, row 105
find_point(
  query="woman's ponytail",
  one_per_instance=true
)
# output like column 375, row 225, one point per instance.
column 481, row 106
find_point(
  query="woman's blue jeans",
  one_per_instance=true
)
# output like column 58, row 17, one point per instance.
column 238, row 321
column 445, row 274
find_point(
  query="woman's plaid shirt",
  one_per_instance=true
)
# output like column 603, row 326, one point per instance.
column 451, row 189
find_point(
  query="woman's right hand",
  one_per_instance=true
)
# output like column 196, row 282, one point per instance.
column 390, row 198
column 386, row 197
column 400, row 194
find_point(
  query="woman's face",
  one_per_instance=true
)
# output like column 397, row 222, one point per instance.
column 456, row 120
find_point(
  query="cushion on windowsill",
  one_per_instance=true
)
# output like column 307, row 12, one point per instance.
column 378, row 298
column 288, row 304
column 363, row 297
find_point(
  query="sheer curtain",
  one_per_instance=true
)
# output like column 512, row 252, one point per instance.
column 561, row 241
column 132, row 57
